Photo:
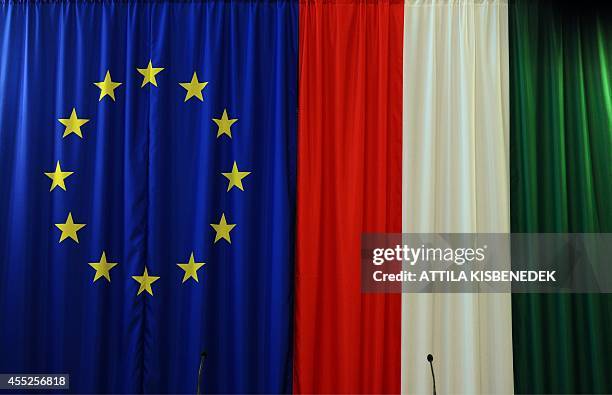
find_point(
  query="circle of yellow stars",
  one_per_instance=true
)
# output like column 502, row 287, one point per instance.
column 73, row 124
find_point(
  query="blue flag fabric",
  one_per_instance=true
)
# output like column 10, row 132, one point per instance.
column 190, row 161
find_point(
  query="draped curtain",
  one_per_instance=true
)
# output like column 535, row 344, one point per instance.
column 456, row 180
column 414, row 116
column 147, row 184
column 561, row 156
column 349, row 182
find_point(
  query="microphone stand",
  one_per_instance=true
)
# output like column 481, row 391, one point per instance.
column 430, row 360
column 202, row 358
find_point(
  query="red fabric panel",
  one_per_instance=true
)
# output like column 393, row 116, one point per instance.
column 349, row 182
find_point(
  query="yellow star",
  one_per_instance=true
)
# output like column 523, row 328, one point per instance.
column 224, row 124
column 191, row 268
column 58, row 177
column 102, row 268
column 194, row 88
column 145, row 282
column 73, row 124
column 107, row 87
column 69, row 229
column 149, row 74
column 223, row 229
column 235, row 177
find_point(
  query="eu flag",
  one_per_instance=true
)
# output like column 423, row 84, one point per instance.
column 147, row 154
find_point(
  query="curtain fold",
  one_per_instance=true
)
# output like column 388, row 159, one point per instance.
column 349, row 182
column 561, row 145
column 456, row 180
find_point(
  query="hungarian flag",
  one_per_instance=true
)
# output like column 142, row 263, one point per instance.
column 449, row 117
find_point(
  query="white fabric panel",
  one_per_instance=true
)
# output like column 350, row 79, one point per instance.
column 456, row 179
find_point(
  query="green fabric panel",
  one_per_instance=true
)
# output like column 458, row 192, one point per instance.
column 561, row 181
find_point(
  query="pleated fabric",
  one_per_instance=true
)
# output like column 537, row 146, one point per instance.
column 456, row 179
column 349, row 182
column 147, row 184
column 561, row 145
